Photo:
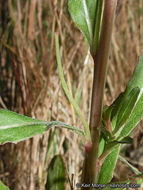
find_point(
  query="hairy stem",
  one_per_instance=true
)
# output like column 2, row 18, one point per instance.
column 90, row 171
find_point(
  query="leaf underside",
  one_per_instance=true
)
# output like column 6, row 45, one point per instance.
column 107, row 168
column 83, row 13
column 15, row 127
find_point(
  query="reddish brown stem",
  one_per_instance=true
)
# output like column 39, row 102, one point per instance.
column 19, row 85
column 90, row 171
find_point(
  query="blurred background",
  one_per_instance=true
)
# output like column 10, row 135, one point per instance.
column 30, row 85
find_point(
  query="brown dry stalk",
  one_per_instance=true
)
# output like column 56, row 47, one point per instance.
column 31, row 18
column 90, row 171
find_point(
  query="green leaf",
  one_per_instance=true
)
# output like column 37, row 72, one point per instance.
column 137, row 113
column 3, row 187
column 106, row 127
column 67, row 92
column 87, row 15
column 140, row 181
column 129, row 118
column 107, row 168
column 126, row 140
column 101, row 146
column 112, row 111
column 56, row 174
column 133, row 120
column 15, row 127
column 137, row 78
column 83, row 13
column 115, row 107
column 126, row 108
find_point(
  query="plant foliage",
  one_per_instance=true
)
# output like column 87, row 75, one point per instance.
column 125, row 112
column 15, row 127
column 56, row 174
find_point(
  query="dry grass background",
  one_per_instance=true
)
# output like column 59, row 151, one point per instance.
column 29, row 81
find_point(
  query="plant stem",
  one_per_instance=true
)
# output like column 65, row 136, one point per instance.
column 90, row 171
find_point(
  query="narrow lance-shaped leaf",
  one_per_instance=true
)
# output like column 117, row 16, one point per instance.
column 135, row 117
column 134, row 169
column 87, row 15
column 115, row 107
column 125, row 140
column 107, row 168
column 83, row 13
column 137, row 77
column 137, row 113
column 67, row 92
column 101, row 146
column 15, row 127
column 126, row 108
column 113, row 110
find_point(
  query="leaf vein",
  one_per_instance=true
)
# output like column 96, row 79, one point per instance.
column 87, row 19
